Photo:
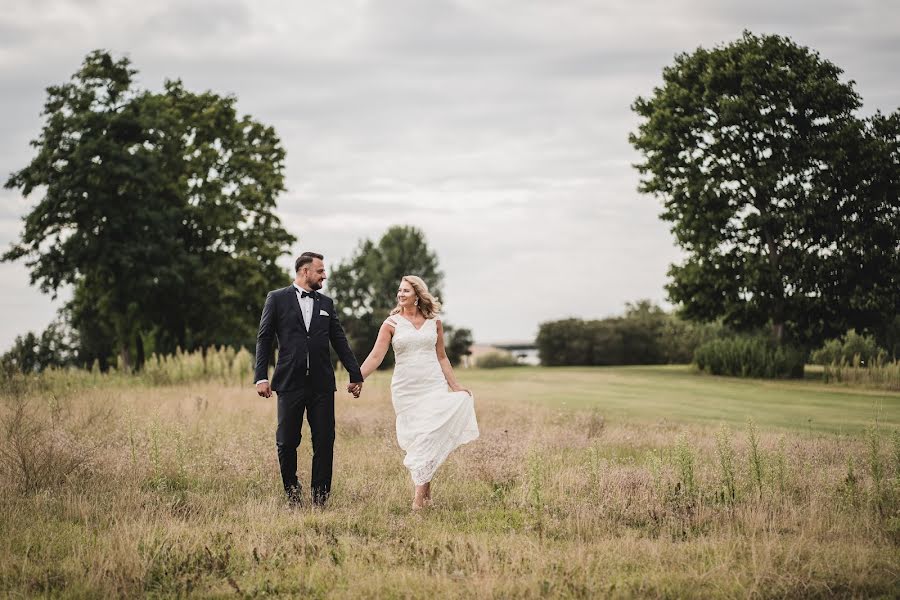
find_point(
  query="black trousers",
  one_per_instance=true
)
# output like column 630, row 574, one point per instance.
column 319, row 408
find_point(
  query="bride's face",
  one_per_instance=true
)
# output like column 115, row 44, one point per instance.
column 406, row 296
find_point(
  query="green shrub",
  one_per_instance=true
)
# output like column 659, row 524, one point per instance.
column 645, row 335
column 566, row 342
column 746, row 356
column 679, row 338
column 853, row 349
column 495, row 360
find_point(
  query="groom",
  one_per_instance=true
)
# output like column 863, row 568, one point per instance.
column 304, row 321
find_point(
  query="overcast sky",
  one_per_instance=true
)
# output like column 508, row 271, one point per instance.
column 498, row 127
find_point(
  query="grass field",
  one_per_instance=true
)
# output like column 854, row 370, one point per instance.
column 619, row 482
column 675, row 393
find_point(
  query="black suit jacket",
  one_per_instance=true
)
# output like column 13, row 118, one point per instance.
column 297, row 347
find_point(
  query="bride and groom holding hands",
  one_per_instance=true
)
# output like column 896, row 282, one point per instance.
column 435, row 414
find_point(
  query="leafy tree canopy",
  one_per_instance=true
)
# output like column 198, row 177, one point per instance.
column 157, row 207
column 785, row 203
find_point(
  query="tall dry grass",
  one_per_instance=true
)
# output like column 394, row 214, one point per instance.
column 223, row 365
column 143, row 490
column 880, row 373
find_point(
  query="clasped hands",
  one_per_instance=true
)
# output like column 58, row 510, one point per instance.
column 265, row 390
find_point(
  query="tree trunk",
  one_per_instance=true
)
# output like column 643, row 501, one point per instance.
column 778, row 332
column 774, row 257
column 125, row 355
column 140, row 358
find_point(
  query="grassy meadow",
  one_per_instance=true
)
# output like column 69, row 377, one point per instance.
column 586, row 482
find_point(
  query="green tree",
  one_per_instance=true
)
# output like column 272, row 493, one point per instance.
column 641, row 331
column 457, row 342
column 773, row 188
column 33, row 353
column 156, row 207
column 366, row 283
column 860, row 276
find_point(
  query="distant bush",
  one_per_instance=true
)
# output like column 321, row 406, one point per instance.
column 566, row 342
column 852, row 349
column 495, row 360
column 749, row 356
column 678, row 338
column 645, row 335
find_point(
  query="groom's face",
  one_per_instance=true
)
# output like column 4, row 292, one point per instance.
column 315, row 275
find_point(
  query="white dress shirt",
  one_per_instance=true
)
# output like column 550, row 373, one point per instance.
column 306, row 307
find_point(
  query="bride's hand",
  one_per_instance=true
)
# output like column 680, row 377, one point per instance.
column 459, row 388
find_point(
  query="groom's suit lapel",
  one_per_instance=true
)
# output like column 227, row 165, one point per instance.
column 317, row 301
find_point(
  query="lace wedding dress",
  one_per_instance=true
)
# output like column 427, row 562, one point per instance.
column 431, row 420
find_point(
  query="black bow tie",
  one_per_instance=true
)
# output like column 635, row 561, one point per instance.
column 304, row 294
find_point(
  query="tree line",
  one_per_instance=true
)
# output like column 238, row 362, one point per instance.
column 158, row 209
column 644, row 335
column 647, row 335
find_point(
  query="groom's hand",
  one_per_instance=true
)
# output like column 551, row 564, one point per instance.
column 264, row 389
column 355, row 389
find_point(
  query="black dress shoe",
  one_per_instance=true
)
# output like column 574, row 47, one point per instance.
column 319, row 498
column 294, row 496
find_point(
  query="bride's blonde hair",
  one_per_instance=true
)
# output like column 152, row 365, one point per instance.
column 428, row 304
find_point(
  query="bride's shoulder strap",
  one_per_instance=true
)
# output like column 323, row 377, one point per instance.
column 391, row 320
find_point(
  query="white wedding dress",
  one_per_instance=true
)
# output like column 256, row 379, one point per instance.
column 431, row 420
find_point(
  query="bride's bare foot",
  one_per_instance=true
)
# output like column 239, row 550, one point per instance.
column 422, row 499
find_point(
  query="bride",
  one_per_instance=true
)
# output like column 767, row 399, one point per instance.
column 431, row 421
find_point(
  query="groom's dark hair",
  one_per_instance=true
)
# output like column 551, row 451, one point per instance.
column 305, row 259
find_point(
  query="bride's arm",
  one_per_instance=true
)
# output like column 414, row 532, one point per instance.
column 446, row 367
column 379, row 350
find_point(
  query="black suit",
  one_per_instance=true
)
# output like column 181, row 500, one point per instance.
column 304, row 380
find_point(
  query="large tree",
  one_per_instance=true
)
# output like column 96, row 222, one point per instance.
column 776, row 191
column 366, row 285
column 156, row 207
column 860, row 276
